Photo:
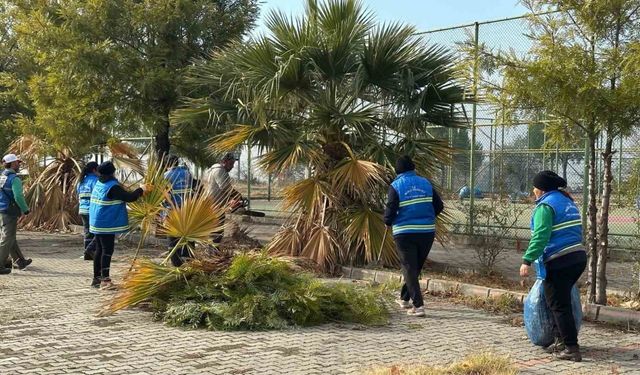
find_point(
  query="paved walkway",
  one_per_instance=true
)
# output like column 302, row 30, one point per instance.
column 620, row 275
column 48, row 326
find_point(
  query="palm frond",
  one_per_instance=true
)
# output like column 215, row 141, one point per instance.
column 195, row 221
column 366, row 229
column 306, row 195
column 356, row 176
column 322, row 246
column 287, row 241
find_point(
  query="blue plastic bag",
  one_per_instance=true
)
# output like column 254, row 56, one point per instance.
column 538, row 320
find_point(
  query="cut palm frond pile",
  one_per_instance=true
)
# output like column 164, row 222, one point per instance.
column 246, row 292
column 336, row 92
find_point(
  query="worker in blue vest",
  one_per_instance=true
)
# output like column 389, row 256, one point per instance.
column 12, row 206
column 108, row 217
column 412, row 207
column 88, row 179
column 556, row 238
column 181, row 186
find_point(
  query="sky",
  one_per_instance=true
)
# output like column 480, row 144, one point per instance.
column 423, row 14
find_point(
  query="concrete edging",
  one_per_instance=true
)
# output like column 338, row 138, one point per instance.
column 608, row 314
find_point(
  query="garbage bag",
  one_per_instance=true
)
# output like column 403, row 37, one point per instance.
column 538, row 320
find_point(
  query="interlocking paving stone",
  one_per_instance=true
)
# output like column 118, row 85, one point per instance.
column 48, row 325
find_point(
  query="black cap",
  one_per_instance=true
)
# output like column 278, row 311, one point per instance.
column 404, row 164
column 229, row 156
column 107, row 168
column 549, row 181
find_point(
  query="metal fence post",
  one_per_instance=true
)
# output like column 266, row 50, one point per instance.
column 620, row 171
column 585, row 186
column 248, row 176
column 472, row 174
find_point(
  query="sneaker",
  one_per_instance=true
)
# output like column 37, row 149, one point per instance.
column 404, row 304
column 23, row 263
column 570, row 353
column 416, row 311
column 107, row 285
column 5, row 271
column 95, row 283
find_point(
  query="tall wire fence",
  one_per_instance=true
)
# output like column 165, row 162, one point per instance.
column 495, row 160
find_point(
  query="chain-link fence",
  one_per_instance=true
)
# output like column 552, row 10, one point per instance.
column 495, row 159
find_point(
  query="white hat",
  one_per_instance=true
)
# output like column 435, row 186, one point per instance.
column 10, row 158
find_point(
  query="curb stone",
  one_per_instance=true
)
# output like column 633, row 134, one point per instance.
column 590, row 311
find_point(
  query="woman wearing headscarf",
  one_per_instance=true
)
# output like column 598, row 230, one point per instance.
column 108, row 217
column 88, row 179
column 556, row 239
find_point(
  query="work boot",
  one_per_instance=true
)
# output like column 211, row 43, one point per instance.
column 570, row 353
column 5, row 271
column 23, row 263
column 556, row 347
column 95, row 283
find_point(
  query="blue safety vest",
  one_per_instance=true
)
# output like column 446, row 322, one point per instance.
column 85, row 187
column 415, row 213
column 566, row 233
column 6, row 195
column 107, row 216
column 181, row 180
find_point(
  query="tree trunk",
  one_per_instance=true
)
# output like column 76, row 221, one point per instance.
column 162, row 142
column 592, row 221
column 603, row 224
column 565, row 165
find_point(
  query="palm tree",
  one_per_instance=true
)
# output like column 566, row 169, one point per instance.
column 338, row 92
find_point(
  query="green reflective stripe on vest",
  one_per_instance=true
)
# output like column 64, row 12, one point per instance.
column 416, row 201
column 400, row 228
column 108, row 230
column 84, row 195
column 105, row 203
column 566, row 224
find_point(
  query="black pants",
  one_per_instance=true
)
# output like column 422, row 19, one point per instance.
column 102, row 258
column 557, row 292
column 182, row 252
column 89, row 238
column 413, row 250
column 218, row 235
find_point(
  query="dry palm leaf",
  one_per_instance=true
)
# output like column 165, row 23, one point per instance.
column 322, row 247
column 357, row 177
column 365, row 229
column 145, row 279
column 194, row 221
column 146, row 210
column 305, row 196
column 287, row 241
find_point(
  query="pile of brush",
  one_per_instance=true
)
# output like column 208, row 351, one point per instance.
column 250, row 291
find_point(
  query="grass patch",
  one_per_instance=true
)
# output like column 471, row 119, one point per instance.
column 474, row 364
column 505, row 304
